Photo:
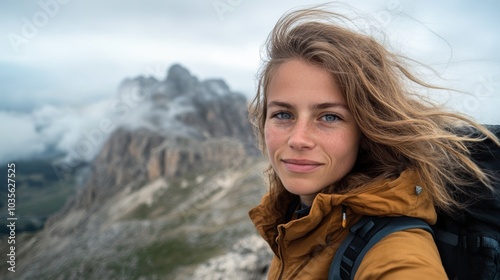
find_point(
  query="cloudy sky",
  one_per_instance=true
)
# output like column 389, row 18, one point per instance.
column 61, row 59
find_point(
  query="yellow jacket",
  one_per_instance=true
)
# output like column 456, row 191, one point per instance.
column 304, row 248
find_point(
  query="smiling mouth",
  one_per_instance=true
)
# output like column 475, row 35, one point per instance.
column 300, row 166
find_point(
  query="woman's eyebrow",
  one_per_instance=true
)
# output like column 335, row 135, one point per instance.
column 318, row 106
column 327, row 105
column 279, row 104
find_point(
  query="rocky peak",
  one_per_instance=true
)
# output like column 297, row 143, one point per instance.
column 180, row 80
column 183, row 106
column 216, row 86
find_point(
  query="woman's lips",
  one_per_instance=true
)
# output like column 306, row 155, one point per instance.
column 300, row 165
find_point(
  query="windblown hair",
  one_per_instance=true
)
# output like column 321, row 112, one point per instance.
column 400, row 130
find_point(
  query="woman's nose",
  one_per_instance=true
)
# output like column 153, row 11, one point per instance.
column 301, row 136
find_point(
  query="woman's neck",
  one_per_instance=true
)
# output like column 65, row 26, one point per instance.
column 307, row 199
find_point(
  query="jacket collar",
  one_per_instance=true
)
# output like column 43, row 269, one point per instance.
column 388, row 197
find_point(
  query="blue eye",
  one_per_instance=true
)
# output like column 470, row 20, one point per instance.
column 330, row 117
column 282, row 116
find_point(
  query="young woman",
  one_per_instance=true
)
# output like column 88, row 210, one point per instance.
column 346, row 137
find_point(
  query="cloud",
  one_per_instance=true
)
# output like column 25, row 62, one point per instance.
column 84, row 49
column 87, row 47
column 20, row 138
column 51, row 130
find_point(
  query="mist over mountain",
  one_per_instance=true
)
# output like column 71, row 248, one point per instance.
column 79, row 132
column 172, row 171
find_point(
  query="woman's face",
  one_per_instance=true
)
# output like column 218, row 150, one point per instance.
column 311, row 137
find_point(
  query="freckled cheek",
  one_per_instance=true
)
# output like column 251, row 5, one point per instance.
column 272, row 140
column 342, row 148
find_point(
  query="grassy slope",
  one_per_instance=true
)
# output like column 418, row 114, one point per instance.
column 38, row 194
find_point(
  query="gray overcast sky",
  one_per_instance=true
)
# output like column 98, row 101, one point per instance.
column 76, row 52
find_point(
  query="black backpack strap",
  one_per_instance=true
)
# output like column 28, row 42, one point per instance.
column 362, row 236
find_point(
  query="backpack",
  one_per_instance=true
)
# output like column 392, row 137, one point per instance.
column 469, row 244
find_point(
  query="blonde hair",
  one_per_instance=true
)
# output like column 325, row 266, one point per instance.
column 399, row 129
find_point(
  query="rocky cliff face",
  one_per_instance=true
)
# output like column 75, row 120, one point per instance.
column 144, row 155
column 167, row 196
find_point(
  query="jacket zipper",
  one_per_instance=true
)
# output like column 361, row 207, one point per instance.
column 280, row 251
column 344, row 216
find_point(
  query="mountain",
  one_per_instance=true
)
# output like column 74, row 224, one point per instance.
column 166, row 197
